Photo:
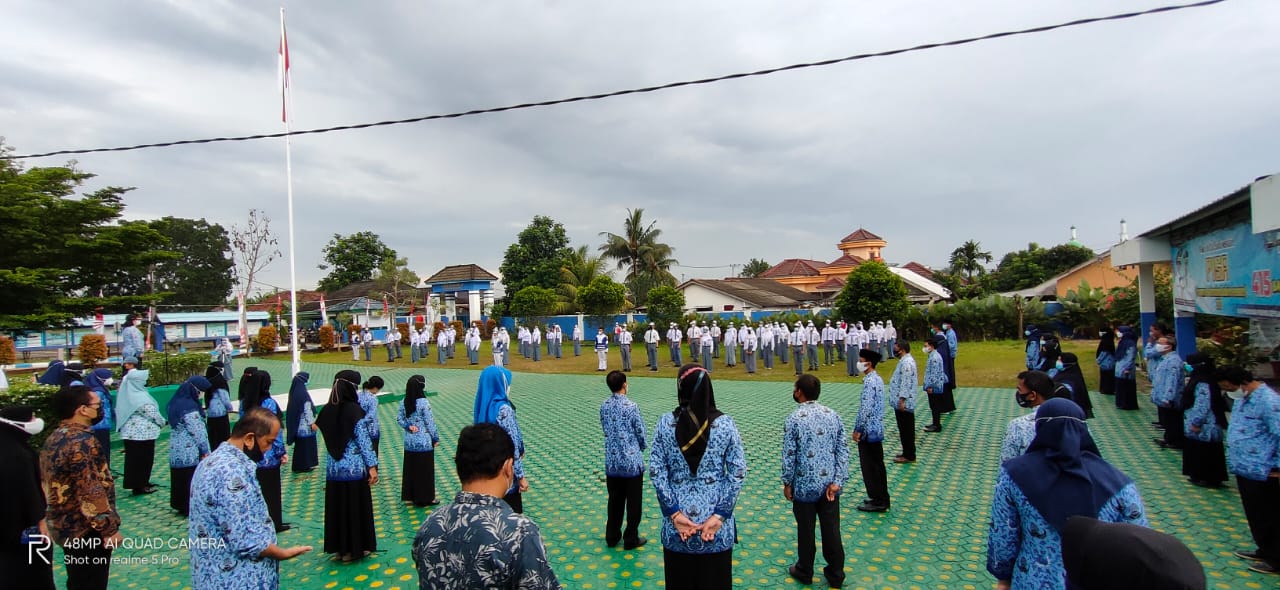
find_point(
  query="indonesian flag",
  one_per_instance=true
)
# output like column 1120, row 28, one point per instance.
column 99, row 324
column 278, row 304
column 284, row 71
column 385, row 309
column 411, row 308
column 324, row 313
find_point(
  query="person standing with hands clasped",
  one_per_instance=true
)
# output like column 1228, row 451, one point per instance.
column 902, row 394
column 815, row 467
column 624, row 444
column 868, row 432
column 1253, row 448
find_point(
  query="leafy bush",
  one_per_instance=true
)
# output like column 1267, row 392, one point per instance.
column 93, row 348
column 8, row 352
column 489, row 326
column 27, row 393
column 174, row 368
column 328, row 338
column 267, row 340
column 403, row 329
column 1230, row 346
column 458, row 329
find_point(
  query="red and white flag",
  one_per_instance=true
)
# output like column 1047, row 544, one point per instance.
column 99, row 324
column 284, row 71
column 324, row 313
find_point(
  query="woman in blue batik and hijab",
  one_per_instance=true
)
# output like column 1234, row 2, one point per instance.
column 947, row 401
column 189, row 442
column 493, row 406
column 217, row 405
column 418, row 484
column 1033, row 347
column 140, row 422
column 1106, row 358
column 53, row 374
column 1204, row 459
column 301, row 425
column 269, row 465
column 99, row 380
column 1061, row 475
column 1126, row 375
column 351, row 469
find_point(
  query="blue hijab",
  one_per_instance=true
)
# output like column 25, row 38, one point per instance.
column 1127, row 341
column 187, row 399
column 491, row 394
column 1062, row 473
column 53, row 374
column 298, row 398
column 96, row 380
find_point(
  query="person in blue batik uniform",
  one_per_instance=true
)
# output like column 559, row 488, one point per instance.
column 1253, row 452
column 815, row 467
column 99, row 380
column 902, row 396
column 868, row 433
column 493, row 406
column 624, row 444
column 1060, row 476
column 351, row 467
column 269, row 466
column 697, row 468
column 139, row 421
column 1204, row 460
column 952, row 340
column 1106, row 359
column 1166, row 391
column 217, row 405
column 369, row 403
column 300, row 425
column 1126, row 373
column 1032, row 334
column 935, row 383
column 232, row 538
column 189, row 442
column 1034, row 388
column 131, row 341
column 418, row 483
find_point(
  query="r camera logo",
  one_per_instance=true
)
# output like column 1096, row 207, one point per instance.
column 39, row 546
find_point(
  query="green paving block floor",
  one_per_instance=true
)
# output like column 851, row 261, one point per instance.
column 934, row 537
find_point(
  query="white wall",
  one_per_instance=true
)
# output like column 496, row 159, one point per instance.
column 696, row 296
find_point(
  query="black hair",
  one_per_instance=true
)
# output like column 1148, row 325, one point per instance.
column 482, row 449
column 1173, row 342
column 1234, row 375
column 810, row 386
column 615, row 379
column 374, row 382
column 257, row 421
column 1161, row 327
column 69, row 399
column 904, row 344
column 1038, row 382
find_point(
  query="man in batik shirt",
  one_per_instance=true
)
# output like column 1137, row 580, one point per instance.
column 815, row 466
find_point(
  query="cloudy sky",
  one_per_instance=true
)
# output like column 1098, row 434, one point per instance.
column 1005, row 142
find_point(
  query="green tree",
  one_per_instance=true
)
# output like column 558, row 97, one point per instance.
column 647, row 261
column 968, row 259
column 1084, row 309
column 61, row 251
column 353, row 259
column 396, row 282
column 665, row 305
column 872, row 293
column 201, row 275
column 579, row 269
column 535, row 259
column 1027, row 268
column 533, row 303
column 754, row 268
column 601, row 298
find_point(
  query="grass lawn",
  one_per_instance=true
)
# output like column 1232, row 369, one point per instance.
column 979, row 364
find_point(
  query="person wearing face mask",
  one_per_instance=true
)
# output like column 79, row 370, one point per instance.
column 1034, row 388
column 23, row 516
column 1032, row 334
column 1106, row 359
column 952, row 340
column 1166, row 392
column 1072, row 378
column 81, row 493
column 493, row 406
column 189, row 442
column 350, row 470
column 1126, row 373
column 868, row 433
column 935, row 383
column 602, row 350
column 300, row 421
column 131, row 341
column 140, row 424
column 815, row 468
column 477, row 541
column 418, row 482
column 1253, row 452
column 1050, row 350
column 1203, row 458
column 217, row 405
column 369, row 403
column 233, row 540
column 902, row 396
column 99, row 380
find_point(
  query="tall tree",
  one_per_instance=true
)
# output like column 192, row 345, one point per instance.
column 535, row 259
column 1027, row 268
column 873, row 293
column 665, row 304
column 754, row 268
column 533, row 303
column 602, row 298
column 579, row 269
column 969, row 259
column 253, row 248
column 201, row 275
column 646, row 260
column 395, row 281
column 352, row 259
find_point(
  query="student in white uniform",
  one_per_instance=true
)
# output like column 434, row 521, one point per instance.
column 442, row 347
column 695, row 340
column 602, row 349
column 715, row 339
column 811, row 345
column 506, row 347
column 355, row 346
column 535, row 343
column 799, row 337
column 577, row 340
column 749, row 345
column 624, row 346
column 707, row 350
column 783, row 336
column 651, row 339
column 413, row 345
column 742, row 335
column 473, row 345
column 828, row 344
column 730, row 345
column 675, row 338
column 766, row 345
column 842, row 331
column 498, row 346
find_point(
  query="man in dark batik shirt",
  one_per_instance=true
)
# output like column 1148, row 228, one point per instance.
column 478, row 541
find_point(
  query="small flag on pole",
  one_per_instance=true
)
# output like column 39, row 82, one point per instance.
column 284, row 71
column 324, row 313
column 99, row 324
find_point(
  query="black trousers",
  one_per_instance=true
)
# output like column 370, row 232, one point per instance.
column 907, row 432
column 935, row 409
column 1261, row 501
column 515, row 502
column 87, row 569
column 1171, row 419
column 828, row 516
column 624, row 492
column 698, row 571
column 871, row 459
column 139, row 457
column 269, row 482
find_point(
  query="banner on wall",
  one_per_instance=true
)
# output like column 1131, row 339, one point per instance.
column 1232, row 272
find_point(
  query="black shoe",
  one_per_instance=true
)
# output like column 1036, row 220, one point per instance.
column 835, row 582
column 1249, row 555
column 870, row 506
column 932, row 428
column 1162, row 443
column 284, row 527
column 150, row 489
column 610, row 544
column 797, row 576
column 634, row 544
column 1263, row 567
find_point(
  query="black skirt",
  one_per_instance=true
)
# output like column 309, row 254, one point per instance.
column 180, row 488
column 219, row 430
column 1107, row 382
column 1204, row 461
column 1126, row 394
column 305, row 455
column 348, row 518
column 946, row 401
column 703, row 571
column 139, row 457
column 418, row 484
column 269, row 481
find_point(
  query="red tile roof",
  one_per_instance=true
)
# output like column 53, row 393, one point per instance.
column 794, row 267
column 831, row 284
column 460, row 272
column 848, row 260
column 919, row 269
column 860, row 235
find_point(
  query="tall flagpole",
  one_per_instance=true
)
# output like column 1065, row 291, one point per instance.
column 288, row 168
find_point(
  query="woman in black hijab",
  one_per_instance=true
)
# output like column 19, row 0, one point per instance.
column 247, row 385
column 946, row 401
column 1106, row 357
column 24, row 502
column 418, row 483
column 1203, row 457
column 697, row 467
column 350, row 471
column 1071, row 377
column 217, row 405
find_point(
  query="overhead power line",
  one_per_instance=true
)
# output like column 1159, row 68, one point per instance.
column 642, row 90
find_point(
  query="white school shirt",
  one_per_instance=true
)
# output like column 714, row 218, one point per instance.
column 536, row 338
column 815, row 337
column 750, row 342
column 730, row 337
column 651, row 337
column 674, row 336
column 766, row 337
column 742, row 334
column 625, row 337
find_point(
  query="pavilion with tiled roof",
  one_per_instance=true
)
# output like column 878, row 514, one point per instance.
column 468, row 282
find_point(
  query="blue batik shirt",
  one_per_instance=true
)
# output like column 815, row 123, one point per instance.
column 108, row 420
column 219, row 404
column 953, row 342
column 425, row 439
column 188, row 442
column 356, row 459
column 1018, row 436
column 1166, row 380
column 229, row 526
column 624, row 437
column 507, row 420
column 369, row 403
column 1033, row 355
column 815, row 452
column 1124, row 364
column 479, row 542
column 1023, row 548
column 902, row 385
column 274, row 455
column 870, row 420
column 1253, row 436
column 1106, row 361
column 712, row 490
column 935, row 374
column 1201, row 416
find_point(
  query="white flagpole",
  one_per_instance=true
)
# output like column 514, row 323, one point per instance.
column 288, row 168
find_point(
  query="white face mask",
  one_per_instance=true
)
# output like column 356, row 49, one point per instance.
column 34, row 427
column 137, row 322
column 925, row 349
column 1163, row 348
column 1102, row 334
column 109, row 381
column 1236, row 395
column 862, row 367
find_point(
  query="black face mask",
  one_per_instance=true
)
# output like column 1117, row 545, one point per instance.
column 98, row 418
column 1023, row 400
column 253, row 452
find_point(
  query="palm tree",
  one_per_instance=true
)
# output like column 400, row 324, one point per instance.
column 647, row 261
column 968, row 259
column 576, row 273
